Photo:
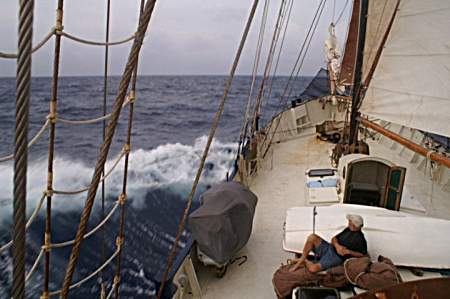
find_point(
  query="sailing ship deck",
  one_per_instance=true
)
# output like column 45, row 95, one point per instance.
column 280, row 184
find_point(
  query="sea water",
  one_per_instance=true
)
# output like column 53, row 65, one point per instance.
column 172, row 119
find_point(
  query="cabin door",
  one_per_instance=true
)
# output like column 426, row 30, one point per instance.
column 394, row 188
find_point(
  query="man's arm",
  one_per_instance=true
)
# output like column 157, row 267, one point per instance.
column 353, row 253
column 339, row 248
column 342, row 250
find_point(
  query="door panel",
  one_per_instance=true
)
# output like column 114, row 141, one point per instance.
column 394, row 188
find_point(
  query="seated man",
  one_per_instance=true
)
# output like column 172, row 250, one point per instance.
column 348, row 243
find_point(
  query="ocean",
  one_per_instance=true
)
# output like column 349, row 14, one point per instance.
column 172, row 119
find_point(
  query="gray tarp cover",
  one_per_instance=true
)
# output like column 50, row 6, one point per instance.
column 223, row 223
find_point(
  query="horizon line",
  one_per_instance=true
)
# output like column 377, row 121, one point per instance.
column 156, row 75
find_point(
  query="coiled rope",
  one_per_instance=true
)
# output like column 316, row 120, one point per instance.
column 206, row 150
column 130, row 66
column 23, row 90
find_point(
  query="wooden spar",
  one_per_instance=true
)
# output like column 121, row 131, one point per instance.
column 349, row 61
column 439, row 158
column 356, row 91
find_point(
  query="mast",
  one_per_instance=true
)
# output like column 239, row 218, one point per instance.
column 346, row 76
column 357, row 94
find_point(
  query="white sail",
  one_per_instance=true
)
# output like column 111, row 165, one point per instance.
column 411, row 83
column 379, row 15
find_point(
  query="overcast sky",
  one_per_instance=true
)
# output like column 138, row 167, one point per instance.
column 184, row 37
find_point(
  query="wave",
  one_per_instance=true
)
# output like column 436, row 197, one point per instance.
column 170, row 166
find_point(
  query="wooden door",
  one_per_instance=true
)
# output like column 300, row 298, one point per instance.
column 394, row 188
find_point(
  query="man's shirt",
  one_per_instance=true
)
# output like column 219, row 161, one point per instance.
column 354, row 241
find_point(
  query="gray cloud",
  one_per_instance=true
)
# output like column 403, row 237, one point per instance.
column 185, row 36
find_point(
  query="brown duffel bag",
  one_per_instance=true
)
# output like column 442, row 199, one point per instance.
column 367, row 275
column 334, row 278
column 285, row 281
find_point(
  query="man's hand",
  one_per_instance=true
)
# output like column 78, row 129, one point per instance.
column 313, row 268
column 341, row 250
column 295, row 266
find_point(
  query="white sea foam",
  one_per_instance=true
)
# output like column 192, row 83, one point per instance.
column 170, row 166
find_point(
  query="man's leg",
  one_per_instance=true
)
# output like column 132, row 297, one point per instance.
column 312, row 242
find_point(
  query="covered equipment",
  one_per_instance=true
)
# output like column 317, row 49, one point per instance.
column 223, row 223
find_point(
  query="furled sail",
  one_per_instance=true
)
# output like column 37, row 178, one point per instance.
column 411, row 82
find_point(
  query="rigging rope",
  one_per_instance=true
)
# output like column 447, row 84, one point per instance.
column 35, row 48
column 31, row 143
column 341, row 13
column 94, row 43
column 84, row 121
column 61, row 244
column 276, row 35
column 286, row 9
column 123, row 196
column 90, row 276
column 54, row 31
column 23, row 90
column 108, row 173
column 41, row 131
column 62, row 120
column 206, row 150
column 51, row 144
column 300, row 59
column 92, row 231
column 29, row 221
column 113, row 287
column 126, row 77
column 105, row 96
column 254, row 74
column 35, row 264
column 290, row 5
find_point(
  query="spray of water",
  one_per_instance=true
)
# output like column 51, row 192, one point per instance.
column 169, row 166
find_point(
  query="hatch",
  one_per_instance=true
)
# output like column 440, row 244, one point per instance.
column 371, row 181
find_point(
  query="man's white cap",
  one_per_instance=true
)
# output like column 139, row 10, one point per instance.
column 356, row 220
